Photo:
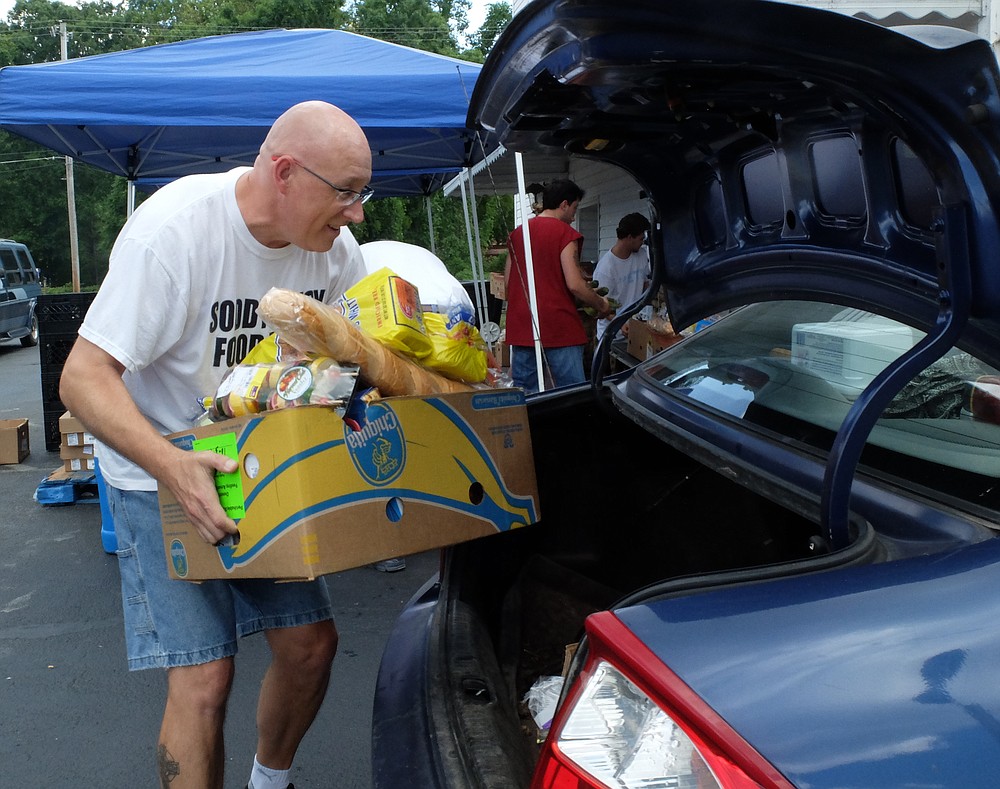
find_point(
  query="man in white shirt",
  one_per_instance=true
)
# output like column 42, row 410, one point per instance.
column 624, row 269
column 176, row 310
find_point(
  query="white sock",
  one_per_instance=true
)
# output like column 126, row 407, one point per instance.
column 265, row 778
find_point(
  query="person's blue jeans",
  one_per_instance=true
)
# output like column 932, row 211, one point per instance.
column 565, row 365
column 179, row 623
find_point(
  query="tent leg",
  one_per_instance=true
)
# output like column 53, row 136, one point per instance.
column 430, row 221
column 478, row 274
column 480, row 306
column 529, row 265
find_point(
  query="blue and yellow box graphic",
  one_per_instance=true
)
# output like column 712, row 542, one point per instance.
column 315, row 494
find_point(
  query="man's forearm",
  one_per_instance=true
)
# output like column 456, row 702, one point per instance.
column 91, row 387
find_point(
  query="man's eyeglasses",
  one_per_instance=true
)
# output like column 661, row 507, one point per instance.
column 346, row 197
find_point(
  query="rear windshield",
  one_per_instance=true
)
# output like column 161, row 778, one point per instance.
column 794, row 368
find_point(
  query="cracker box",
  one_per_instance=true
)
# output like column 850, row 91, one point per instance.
column 14, row 441
column 314, row 494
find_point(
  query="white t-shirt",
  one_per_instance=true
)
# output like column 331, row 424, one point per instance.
column 624, row 279
column 178, row 306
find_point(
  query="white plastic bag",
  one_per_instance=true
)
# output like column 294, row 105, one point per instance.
column 542, row 698
column 439, row 290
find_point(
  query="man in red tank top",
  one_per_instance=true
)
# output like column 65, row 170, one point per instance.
column 555, row 254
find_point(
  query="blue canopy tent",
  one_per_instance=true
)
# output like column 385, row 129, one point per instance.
column 205, row 104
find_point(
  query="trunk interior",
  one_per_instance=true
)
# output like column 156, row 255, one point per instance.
column 621, row 511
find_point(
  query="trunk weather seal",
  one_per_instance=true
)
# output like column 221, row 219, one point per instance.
column 954, row 300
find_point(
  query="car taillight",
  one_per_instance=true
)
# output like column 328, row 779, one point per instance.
column 629, row 722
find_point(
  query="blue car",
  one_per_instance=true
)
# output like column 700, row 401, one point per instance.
column 20, row 288
column 768, row 554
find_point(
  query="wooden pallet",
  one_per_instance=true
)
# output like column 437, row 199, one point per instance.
column 68, row 487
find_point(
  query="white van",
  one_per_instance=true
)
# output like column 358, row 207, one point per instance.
column 20, row 288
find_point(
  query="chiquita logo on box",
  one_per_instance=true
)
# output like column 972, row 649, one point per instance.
column 378, row 449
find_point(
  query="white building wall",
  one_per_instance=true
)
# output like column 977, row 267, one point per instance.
column 609, row 194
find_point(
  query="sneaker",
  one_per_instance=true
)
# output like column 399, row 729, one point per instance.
column 391, row 565
column 290, row 786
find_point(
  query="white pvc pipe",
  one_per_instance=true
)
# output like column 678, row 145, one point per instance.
column 480, row 305
column 479, row 276
column 529, row 265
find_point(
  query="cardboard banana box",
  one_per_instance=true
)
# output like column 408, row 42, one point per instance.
column 314, row 494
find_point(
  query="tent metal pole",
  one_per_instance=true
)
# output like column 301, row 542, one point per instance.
column 129, row 198
column 480, row 307
column 529, row 265
column 430, row 222
column 480, row 274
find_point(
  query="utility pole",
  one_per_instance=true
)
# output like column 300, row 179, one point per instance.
column 74, row 243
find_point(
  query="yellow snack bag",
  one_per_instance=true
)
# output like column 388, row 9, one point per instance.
column 264, row 351
column 387, row 307
column 273, row 349
column 459, row 351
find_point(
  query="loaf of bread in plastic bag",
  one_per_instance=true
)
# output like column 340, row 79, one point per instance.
column 315, row 327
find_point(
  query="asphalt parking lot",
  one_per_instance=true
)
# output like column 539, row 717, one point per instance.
column 70, row 712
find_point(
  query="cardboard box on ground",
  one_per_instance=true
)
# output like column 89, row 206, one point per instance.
column 643, row 342
column 75, row 480
column 15, row 443
column 76, row 445
column 313, row 495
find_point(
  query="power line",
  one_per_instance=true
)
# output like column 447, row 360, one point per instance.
column 160, row 30
column 33, row 159
column 30, row 168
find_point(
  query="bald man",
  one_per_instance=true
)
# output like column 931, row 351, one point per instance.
column 176, row 309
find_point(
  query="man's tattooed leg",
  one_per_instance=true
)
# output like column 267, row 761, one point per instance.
column 167, row 766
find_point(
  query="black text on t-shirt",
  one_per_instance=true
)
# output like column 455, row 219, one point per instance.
column 240, row 327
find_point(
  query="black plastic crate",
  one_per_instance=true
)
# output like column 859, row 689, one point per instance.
column 63, row 306
column 61, row 313
column 57, row 329
column 50, row 424
column 50, row 389
column 53, row 350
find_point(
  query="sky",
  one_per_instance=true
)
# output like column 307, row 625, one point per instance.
column 476, row 14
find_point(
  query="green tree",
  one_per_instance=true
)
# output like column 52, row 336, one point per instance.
column 412, row 23
column 266, row 14
column 33, row 201
column 405, row 219
column 498, row 16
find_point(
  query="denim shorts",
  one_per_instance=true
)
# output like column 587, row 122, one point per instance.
column 565, row 365
column 180, row 623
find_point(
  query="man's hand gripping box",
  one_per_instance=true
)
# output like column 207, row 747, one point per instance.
column 313, row 495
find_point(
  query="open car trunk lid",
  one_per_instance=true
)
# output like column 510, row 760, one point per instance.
column 792, row 153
